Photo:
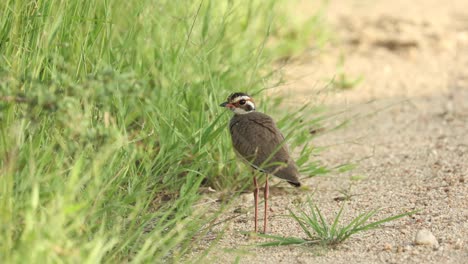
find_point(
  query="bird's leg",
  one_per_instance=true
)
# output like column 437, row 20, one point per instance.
column 266, row 192
column 256, row 201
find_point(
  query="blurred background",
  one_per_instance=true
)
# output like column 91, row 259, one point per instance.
column 110, row 130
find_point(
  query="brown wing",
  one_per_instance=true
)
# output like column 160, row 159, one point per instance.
column 256, row 139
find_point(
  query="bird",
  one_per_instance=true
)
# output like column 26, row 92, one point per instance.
column 257, row 141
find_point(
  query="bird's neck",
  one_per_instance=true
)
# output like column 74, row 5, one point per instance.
column 239, row 111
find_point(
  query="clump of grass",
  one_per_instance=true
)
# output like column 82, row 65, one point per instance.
column 343, row 81
column 320, row 231
column 109, row 122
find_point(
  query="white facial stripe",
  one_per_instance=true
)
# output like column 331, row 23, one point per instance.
column 241, row 111
column 237, row 99
column 251, row 104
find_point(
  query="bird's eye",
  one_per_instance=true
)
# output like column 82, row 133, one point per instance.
column 242, row 102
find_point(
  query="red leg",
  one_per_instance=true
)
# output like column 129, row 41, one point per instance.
column 266, row 193
column 256, row 201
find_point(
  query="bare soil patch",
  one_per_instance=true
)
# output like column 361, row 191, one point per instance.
column 408, row 135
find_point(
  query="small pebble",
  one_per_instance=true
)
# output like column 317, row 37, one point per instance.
column 400, row 249
column 425, row 237
column 388, row 247
column 458, row 244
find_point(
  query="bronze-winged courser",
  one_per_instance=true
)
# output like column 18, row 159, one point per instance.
column 258, row 142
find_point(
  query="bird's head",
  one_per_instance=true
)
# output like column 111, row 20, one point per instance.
column 239, row 103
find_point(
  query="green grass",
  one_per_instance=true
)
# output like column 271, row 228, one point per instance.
column 320, row 231
column 342, row 80
column 109, row 121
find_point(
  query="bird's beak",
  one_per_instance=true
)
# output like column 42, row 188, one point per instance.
column 223, row 104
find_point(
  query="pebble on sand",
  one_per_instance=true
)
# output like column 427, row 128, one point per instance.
column 425, row 237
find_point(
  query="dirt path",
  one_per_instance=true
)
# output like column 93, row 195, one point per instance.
column 409, row 135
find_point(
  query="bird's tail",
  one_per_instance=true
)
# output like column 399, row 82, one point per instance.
column 295, row 184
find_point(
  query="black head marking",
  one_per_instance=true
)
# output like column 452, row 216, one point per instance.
column 235, row 95
column 239, row 103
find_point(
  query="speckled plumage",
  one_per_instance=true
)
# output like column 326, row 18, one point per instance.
column 259, row 142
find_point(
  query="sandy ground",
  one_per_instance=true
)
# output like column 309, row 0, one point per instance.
column 408, row 135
